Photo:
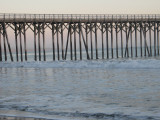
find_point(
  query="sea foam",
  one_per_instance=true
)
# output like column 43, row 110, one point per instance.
column 103, row 64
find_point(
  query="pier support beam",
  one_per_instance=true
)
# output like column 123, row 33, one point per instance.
column 117, row 40
column 146, row 49
column 71, row 54
column 127, row 39
column 111, row 39
column 75, row 48
column 35, row 46
column 57, row 31
column 121, row 27
column 145, row 42
column 9, row 48
column 85, row 45
column 4, row 42
column 86, row 30
column 67, row 41
column 43, row 34
column 131, row 42
column 53, row 44
column 62, row 41
column 91, row 29
column 96, row 44
column 150, row 38
column 154, row 38
column 80, row 46
column 39, row 41
column 102, row 41
column 20, row 43
column 107, row 44
column 141, row 39
column 16, row 42
column 135, row 29
column 25, row 46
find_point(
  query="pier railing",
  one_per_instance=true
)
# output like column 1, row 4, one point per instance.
column 79, row 17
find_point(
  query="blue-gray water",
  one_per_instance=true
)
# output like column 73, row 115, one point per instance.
column 118, row 89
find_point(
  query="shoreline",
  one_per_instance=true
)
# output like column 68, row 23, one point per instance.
column 7, row 117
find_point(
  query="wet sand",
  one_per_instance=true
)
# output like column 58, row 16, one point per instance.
column 21, row 118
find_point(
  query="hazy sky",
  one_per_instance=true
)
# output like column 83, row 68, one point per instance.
column 81, row 6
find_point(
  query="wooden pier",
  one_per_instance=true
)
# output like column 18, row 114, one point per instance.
column 83, row 33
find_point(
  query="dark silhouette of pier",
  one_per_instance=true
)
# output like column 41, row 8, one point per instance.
column 113, row 28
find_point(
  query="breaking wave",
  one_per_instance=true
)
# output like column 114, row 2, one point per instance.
column 103, row 64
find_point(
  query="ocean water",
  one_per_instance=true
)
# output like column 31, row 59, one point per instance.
column 114, row 89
